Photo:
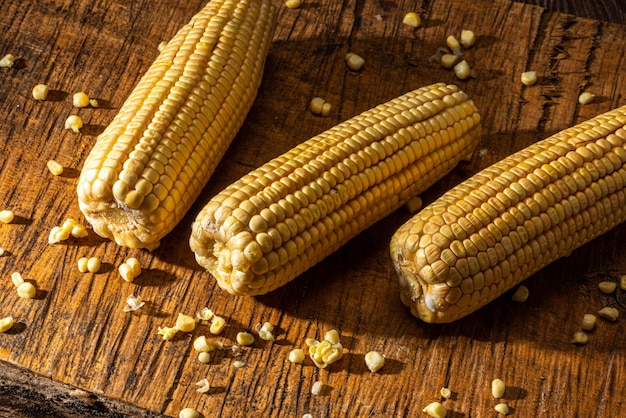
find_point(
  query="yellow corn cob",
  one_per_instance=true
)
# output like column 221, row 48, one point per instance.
column 282, row 218
column 508, row 221
column 151, row 162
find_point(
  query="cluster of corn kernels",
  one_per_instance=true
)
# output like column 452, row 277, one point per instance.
column 70, row 227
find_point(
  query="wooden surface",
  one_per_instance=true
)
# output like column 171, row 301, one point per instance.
column 76, row 333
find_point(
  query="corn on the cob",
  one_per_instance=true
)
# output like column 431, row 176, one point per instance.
column 508, row 221
column 150, row 163
column 282, row 218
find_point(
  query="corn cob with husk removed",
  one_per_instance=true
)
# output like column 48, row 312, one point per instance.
column 508, row 221
column 284, row 217
column 150, row 163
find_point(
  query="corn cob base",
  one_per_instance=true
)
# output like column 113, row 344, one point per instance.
column 282, row 218
column 510, row 220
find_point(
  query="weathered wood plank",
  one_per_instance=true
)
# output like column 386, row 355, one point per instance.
column 76, row 332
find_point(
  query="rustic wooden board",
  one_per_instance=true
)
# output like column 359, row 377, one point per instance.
column 76, row 332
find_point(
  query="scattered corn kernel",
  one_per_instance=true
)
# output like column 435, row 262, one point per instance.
column 374, row 361
column 607, row 287
column 435, row 410
column 296, row 355
column 326, row 107
column 468, row 38
column 167, row 333
column 580, row 337
column 54, row 167
column 332, row 336
column 293, row 4
column 79, row 231
column 497, row 388
column 82, row 264
column 609, row 313
column 204, row 386
column 622, row 282
column 74, row 122
column 529, row 78
column 521, row 294
column 17, row 278
column 327, row 351
column 6, row 216
column 588, row 322
column 316, row 105
column 133, row 303
column 446, row 393
column 412, row 19
column 202, row 345
column 6, row 323
column 237, row 364
column 7, row 61
column 134, row 265
column 130, row 269
column 453, row 44
column 205, row 314
column 80, row 99
column 69, row 227
column 2, row 251
column 26, row 290
column 245, row 338
column 204, row 357
column 462, row 70
column 355, row 62
column 217, row 325
column 317, row 387
column 448, row 60
column 188, row 413
column 265, row 331
column 93, row 264
column 93, row 103
column 185, row 323
column 40, row 92
column 586, row 98
column 502, row 408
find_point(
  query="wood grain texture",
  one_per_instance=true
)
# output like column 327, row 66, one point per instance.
column 75, row 332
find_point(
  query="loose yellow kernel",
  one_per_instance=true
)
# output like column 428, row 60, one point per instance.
column 354, row 62
column 296, row 355
column 293, row 4
column 245, row 338
column 580, row 337
column 185, row 323
column 316, row 105
column 204, row 386
column 502, row 408
column 6, row 216
column 586, row 98
column 446, row 393
column 16, row 278
column 134, row 265
column 449, row 60
column 80, row 99
column 205, row 314
column 126, row 272
column 609, row 313
column 529, row 78
column 412, row 19
column 462, row 70
column 317, row 388
column 6, row 323
column 497, row 388
column 204, row 357
column 40, row 92
column 54, row 167
column 2, row 251
column 26, row 290
column 7, row 61
column 202, row 344
column 435, row 410
column 168, row 333
column 93, row 103
column 237, row 364
column 326, row 107
column 217, row 325
column 79, row 231
column 374, row 361
column 607, row 287
column 468, row 38
column 93, row 264
column 188, row 413
column 521, row 294
column 265, row 331
column 588, row 322
column 82, row 264
column 453, row 44
column 74, row 122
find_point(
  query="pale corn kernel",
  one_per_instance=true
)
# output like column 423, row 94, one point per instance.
column 607, row 287
column 16, row 278
column 82, row 264
column 2, row 251
column 93, row 103
column 529, row 78
column 265, row 332
column 580, row 337
column 327, row 351
column 307, row 416
column 293, row 4
column 462, row 70
column 204, row 386
column 332, row 336
column 134, row 265
column 296, row 355
column 80, row 99
column 354, row 62
column 414, row 204
column 217, row 325
column 202, row 344
column 446, row 393
column 317, row 388
column 7, row 61
column 502, row 408
column 586, row 98
column 521, row 294
column 326, row 108
column 7, row 216
column 316, row 105
column 26, row 290
column 188, row 413
column 453, row 44
column 588, row 322
column 161, row 46
column 205, row 314
column 237, row 364
column 449, row 60
column 245, row 338
column 79, row 231
column 468, row 38
column 204, row 357
column 6, row 323
column 412, row 19
column 622, row 282
column 374, row 361
column 74, row 122
column 609, row 313
column 435, row 410
column 310, row 342
column 94, row 264
column 497, row 388
column 185, row 323
column 54, row 167
column 40, row 92
column 126, row 272
column 167, row 333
